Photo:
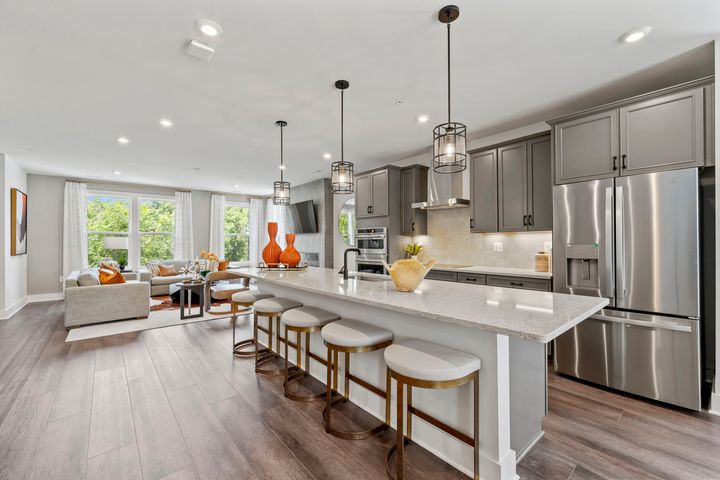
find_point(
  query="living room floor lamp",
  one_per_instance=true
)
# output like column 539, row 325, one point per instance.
column 116, row 243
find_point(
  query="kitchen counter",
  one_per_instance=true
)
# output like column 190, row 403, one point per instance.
column 533, row 316
column 507, row 271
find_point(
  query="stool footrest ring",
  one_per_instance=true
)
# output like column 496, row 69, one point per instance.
column 239, row 348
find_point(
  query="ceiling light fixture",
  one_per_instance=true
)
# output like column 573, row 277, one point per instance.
column 123, row 140
column 281, row 189
column 449, row 142
column 327, row 156
column 636, row 34
column 341, row 173
column 209, row 28
column 117, row 172
column 166, row 123
column 236, row 186
column 423, row 118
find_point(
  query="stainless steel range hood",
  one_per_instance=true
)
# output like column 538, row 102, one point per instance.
column 446, row 190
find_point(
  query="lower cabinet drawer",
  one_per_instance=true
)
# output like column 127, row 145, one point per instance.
column 476, row 278
column 519, row 282
column 442, row 275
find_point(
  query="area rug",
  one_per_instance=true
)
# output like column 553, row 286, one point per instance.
column 159, row 318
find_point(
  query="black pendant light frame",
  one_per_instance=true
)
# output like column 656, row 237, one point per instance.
column 342, row 176
column 449, row 139
column 281, row 189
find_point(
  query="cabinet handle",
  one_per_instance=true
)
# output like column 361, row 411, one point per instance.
column 472, row 223
column 368, row 209
column 469, row 279
column 524, row 220
column 624, row 161
column 530, row 220
column 516, row 284
column 413, row 226
column 614, row 162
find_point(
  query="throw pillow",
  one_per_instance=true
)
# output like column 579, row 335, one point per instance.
column 88, row 278
column 223, row 265
column 168, row 270
column 109, row 276
column 154, row 269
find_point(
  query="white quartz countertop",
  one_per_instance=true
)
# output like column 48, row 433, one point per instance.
column 530, row 315
column 507, row 271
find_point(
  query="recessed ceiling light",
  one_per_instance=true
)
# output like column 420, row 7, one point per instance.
column 423, row 118
column 117, row 172
column 327, row 156
column 166, row 123
column 236, row 186
column 635, row 34
column 282, row 167
column 123, row 140
column 209, row 28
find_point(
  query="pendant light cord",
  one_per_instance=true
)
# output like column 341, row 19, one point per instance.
column 342, row 125
column 448, row 69
column 282, row 170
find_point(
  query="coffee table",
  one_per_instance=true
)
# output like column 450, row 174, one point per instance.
column 187, row 294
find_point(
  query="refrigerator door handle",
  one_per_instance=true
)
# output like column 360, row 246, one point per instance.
column 608, row 280
column 620, row 242
column 640, row 323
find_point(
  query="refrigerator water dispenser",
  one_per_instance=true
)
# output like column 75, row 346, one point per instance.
column 582, row 265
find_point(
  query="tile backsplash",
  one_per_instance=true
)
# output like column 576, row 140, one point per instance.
column 449, row 241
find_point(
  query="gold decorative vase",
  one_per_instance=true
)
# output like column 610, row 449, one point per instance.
column 408, row 273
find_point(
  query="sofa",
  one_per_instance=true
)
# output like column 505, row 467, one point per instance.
column 160, row 285
column 88, row 302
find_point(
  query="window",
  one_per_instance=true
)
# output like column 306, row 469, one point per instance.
column 237, row 236
column 108, row 216
column 147, row 225
column 157, row 229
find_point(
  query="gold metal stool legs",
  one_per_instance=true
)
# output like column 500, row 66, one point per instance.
column 404, row 438
column 332, row 384
column 243, row 348
column 296, row 372
column 264, row 355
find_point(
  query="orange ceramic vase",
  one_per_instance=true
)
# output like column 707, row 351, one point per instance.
column 271, row 252
column 290, row 256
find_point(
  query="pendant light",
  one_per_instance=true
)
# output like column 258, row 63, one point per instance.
column 281, row 189
column 449, row 145
column 342, row 177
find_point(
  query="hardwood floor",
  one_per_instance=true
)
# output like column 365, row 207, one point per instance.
column 175, row 404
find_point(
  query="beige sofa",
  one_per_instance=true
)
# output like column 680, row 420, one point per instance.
column 160, row 285
column 88, row 302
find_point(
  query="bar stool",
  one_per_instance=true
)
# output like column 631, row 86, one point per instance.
column 351, row 336
column 301, row 320
column 272, row 308
column 417, row 363
column 245, row 299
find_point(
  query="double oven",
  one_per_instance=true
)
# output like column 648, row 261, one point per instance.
column 373, row 245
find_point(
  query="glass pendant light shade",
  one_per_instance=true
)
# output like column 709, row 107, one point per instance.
column 342, row 179
column 449, row 148
column 281, row 188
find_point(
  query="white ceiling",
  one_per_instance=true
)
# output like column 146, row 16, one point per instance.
column 75, row 75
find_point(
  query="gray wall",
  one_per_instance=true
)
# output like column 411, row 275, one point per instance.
column 321, row 242
column 45, row 217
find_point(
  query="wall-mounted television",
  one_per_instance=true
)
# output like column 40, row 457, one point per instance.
column 302, row 217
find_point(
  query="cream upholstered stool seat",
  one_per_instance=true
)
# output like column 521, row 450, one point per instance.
column 351, row 336
column 302, row 320
column 422, row 364
column 245, row 299
column 272, row 308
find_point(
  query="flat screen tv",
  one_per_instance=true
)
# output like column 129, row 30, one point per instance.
column 302, row 217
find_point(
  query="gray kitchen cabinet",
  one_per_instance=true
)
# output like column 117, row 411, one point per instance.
column 483, row 197
column 663, row 133
column 414, row 189
column 539, row 178
column 587, row 148
column 371, row 194
column 709, row 125
column 476, row 278
column 444, row 275
column 512, row 187
column 525, row 283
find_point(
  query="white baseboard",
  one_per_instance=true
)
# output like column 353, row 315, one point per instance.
column 714, row 407
column 45, row 297
column 13, row 309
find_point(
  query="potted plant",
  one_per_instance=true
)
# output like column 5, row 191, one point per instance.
column 413, row 249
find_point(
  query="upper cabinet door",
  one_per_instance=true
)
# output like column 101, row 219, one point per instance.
column 484, row 198
column 540, row 208
column 587, row 148
column 363, row 196
column 414, row 189
column 379, row 182
column 512, row 187
column 663, row 133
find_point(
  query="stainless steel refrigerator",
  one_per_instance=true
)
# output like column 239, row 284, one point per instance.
column 636, row 241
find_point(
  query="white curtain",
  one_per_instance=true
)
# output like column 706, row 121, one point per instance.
column 75, row 248
column 183, row 226
column 217, row 225
column 257, row 230
column 276, row 213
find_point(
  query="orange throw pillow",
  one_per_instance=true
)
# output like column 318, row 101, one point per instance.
column 109, row 276
column 223, row 265
column 168, row 271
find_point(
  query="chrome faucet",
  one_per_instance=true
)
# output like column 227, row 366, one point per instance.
column 344, row 270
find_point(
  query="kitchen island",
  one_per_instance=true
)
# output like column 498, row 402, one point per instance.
column 507, row 329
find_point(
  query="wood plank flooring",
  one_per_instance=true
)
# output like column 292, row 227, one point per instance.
column 175, row 404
